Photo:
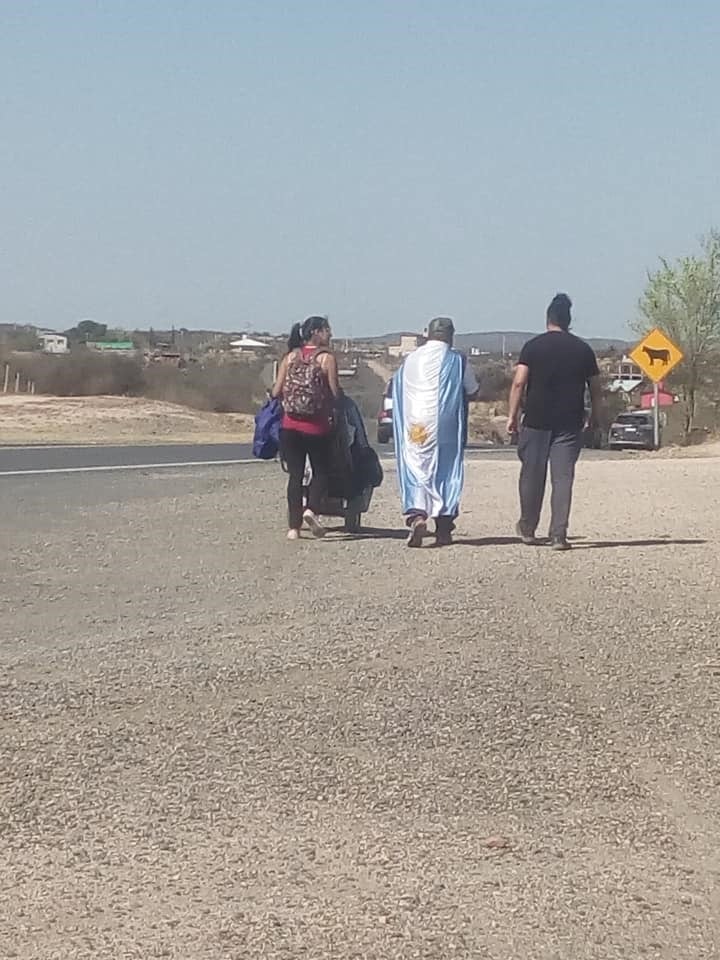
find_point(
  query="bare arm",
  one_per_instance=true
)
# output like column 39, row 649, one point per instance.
column 516, row 394
column 596, row 400
column 329, row 365
column 279, row 384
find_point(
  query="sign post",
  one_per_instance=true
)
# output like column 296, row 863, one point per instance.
column 656, row 415
column 656, row 355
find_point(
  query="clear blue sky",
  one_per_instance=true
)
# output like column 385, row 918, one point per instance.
column 222, row 164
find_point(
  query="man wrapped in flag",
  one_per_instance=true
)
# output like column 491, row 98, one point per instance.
column 431, row 391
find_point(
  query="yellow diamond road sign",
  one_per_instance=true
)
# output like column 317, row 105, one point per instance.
column 656, row 355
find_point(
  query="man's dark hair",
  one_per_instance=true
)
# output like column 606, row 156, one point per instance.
column 558, row 313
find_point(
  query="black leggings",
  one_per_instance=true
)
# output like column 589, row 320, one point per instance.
column 295, row 447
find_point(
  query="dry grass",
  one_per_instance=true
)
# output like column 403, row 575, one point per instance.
column 488, row 421
column 42, row 419
column 215, row 387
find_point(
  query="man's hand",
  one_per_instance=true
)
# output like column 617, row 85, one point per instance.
column 516, row 393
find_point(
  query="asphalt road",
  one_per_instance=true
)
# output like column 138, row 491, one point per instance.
column 218, row 745
column 27, row 460
column 30, row 459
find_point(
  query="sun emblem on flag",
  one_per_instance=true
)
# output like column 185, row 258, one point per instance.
column 418, row 434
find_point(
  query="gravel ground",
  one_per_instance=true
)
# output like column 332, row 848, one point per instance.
column 215, row 744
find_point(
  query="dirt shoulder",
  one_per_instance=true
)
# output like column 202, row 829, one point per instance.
column 117, row 420
column 711, row 448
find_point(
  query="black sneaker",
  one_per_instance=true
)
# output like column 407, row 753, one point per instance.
column 528, row 539
column 560, row 544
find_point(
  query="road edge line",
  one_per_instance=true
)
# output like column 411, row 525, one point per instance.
column 127, row 466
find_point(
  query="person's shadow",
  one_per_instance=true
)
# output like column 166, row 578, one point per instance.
column 655, row 542
column 579, row 543
column 369, row 533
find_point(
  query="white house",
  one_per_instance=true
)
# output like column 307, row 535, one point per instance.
column 626, row 378
column 247, row 344
column 53, row 342
column 407, row 344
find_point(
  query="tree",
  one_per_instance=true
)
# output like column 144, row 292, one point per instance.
column 683, row 300
column 86, row 330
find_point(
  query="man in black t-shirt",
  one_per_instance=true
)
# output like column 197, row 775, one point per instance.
column 554, row 370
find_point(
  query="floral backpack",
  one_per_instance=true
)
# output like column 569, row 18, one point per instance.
column 306, row 393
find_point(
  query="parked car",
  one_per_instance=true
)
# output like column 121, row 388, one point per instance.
column 385, row 417
column 633, row 429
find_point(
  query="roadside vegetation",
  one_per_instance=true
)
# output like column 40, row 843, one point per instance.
column 682, row 298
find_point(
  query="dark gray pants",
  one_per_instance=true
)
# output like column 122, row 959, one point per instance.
column 537, row 448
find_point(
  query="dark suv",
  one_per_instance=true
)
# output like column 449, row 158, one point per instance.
column 632, row 429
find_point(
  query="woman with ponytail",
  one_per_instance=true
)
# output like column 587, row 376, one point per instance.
column 295, row 340
column 308, row 385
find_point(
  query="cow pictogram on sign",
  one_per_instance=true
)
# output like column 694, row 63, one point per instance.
column 656, row 355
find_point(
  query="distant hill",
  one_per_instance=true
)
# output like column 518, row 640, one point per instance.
column 492, row 342
column 515, row 340
column 388, row 337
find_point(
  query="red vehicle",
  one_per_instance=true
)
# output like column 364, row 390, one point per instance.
column 385, row 416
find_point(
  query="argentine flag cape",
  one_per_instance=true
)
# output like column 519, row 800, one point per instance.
column 429, row 424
